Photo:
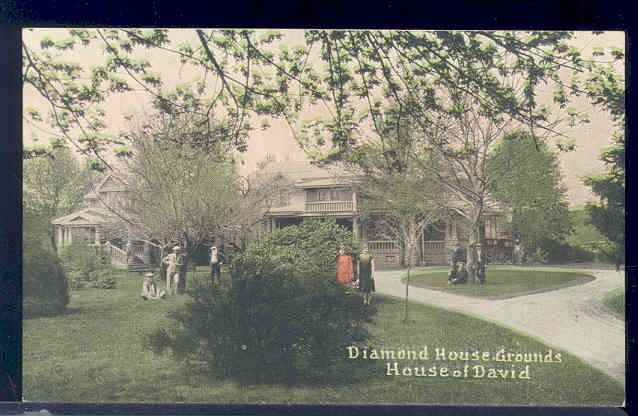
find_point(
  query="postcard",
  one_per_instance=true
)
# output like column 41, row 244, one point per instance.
column 323, row 216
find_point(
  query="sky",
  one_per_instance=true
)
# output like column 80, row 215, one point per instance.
column 277, row 140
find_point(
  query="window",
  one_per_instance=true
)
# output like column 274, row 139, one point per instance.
column 326, row 194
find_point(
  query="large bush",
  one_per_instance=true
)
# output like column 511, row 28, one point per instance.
column 282, row 317
column 45, row 290
column 86, row 264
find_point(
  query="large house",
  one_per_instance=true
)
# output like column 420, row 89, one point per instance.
column 317, row 192
column 320, row 192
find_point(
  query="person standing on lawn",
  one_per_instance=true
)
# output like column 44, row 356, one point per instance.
column 345, row 269
column 366, row 275
column 172, row 262
column 215, row 263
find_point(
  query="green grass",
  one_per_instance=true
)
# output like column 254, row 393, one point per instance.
column 614, row 300
column 503, row 281
column 94, row 353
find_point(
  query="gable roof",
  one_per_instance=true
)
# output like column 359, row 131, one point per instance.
column 110, row 183
column 85, row 216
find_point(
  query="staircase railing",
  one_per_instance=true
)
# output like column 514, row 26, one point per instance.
column 116, row 254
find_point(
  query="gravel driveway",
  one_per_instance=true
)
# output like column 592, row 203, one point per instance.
column 571, row 318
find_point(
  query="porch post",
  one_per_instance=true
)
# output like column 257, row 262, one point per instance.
column 355, row 226
column 146, row 253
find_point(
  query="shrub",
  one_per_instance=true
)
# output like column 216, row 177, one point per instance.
column 44, row 283
column 309, row 248
column 615, row 301
column 282, row 317
column 85, row 264
column 104, row 279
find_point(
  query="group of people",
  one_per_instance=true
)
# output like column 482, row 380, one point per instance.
column 459, row 273
column 365, row 272
column 173, row 264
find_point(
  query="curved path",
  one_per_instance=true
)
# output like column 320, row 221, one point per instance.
column 571, row 318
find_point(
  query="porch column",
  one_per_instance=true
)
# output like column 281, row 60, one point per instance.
column 421, row 247
column 355, row 227
column 58, row 236
column 97, row 236
column 146, row 253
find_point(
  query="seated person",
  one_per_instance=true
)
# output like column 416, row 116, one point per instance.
column 149, row 288
column 461, row 274
column 452, row 274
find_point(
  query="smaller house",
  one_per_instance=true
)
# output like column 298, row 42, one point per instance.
column 91, row 223
column 98, row 223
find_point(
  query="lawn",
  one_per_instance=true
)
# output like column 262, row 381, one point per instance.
column 503, row 281
column 615, row 302
column 95, row 353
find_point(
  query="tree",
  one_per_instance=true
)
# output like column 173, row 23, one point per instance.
column 605, row 86
column 53, row 184
column 231, row 82
column 608, row 214
column 45, row 287
column 353, row 74
column 396, row 188
column 524, row 176
column 262, row 190
column 179, row 192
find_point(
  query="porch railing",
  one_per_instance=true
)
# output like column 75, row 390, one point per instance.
column 434, row 252
column 329, row 206
column 387, row 253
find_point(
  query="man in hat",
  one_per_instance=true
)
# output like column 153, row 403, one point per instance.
column 149, row 288
column 172, row 262
column 215, row 263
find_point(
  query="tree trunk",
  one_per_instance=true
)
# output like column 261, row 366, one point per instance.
column 475, row 257
column 410, row 254
column 181, row 283
column 53, row 243
column 405, row 305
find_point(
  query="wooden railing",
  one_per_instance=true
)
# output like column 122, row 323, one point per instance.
column 382, row 245
column 117, row 255
column 433, row 245
column 329, row 206
column 387, row 253
column 434, row 252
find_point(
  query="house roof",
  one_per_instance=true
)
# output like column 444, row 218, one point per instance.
column 330, row 182
column 85, row 216
column 91, row 195
column 307, row 175
column 110, row 183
